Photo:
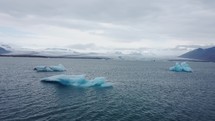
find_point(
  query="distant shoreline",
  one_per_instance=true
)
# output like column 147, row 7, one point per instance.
column 93, row 57
column 71, row 57
column 191, row 60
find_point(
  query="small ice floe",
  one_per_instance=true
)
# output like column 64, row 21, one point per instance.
column 181, row 67
column 58, row 68
column 78, row 81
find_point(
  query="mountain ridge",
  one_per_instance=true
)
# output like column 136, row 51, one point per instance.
column 207, row 54
column 3, row 51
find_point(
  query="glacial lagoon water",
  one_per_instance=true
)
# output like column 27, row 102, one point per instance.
column 142, row 91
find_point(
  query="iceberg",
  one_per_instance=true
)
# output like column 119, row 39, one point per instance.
column 77, row 81
column 58, row 68
column 181, row 67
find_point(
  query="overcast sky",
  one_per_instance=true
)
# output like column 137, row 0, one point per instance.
column 108, row 24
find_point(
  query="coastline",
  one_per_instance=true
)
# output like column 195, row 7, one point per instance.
column 68, row 57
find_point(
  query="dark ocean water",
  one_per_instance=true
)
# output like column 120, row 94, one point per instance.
column 142, row 91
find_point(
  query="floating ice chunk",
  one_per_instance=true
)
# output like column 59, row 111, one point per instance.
column 58, row 68
column 181, row 67
column 186, row 67
column 78, row 81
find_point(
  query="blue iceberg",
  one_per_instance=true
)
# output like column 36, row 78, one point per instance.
column 181, row 67
column 58, row 68
column 78, row 81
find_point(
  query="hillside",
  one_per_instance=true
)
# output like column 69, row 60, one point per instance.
column 201, row 54
column 3, row 51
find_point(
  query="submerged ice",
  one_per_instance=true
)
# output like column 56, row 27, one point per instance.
column 78, row 81
column 58, row 68
column 181, row 67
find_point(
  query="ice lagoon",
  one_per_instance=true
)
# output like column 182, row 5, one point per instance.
column 142, row 91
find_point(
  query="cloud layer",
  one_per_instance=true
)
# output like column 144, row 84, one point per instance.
column 107, row 23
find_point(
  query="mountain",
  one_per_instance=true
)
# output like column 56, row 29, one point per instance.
column 15, row 51
column 3, row 51
column 201, row 54
column 48, row 53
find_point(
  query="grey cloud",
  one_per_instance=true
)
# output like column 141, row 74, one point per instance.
column 83, row 46
column 142, row 19
column 101, row 10
column 191, row 47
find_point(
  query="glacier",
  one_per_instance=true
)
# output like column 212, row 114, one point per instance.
column 58, row 68
column 78, row 81
column 181, row 67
